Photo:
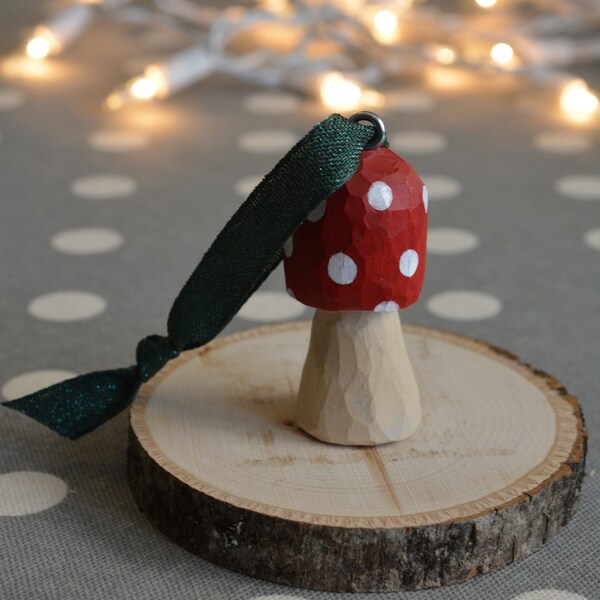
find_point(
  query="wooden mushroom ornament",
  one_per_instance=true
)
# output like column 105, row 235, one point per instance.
column 358, row 259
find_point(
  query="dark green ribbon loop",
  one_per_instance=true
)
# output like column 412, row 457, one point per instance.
column 239, row 260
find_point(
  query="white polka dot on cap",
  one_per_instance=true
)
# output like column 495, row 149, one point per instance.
column 380, row 195
column 342, row 269
column 409, row 262
column 386, row 306
column 28, row 492
column 288, row 247
column 425, row 194
column 317, row 213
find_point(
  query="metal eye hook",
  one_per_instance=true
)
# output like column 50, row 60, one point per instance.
column 380, row 137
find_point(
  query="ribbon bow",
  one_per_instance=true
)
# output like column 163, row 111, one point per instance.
column 246, row 250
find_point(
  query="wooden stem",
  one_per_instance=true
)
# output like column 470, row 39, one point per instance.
column 358, row 386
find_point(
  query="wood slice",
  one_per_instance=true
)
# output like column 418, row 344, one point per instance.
column 217, row 464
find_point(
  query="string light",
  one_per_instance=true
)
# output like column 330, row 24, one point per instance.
column 163, row 79
column 445, row 55
column 341, row 93
column 577, row 102
column 385, row 26
column 60, row 31
column 37, row 47
column 502, row 53
column 328, row 38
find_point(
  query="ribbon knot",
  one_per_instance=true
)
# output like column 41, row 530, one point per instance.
column 152, row 354
column 243, row 254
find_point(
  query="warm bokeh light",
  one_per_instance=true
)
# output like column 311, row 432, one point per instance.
column 340, row 93
column 277, row 7
column 37, row 48
column 372, row 98
column 502, row 53
column 143, row 88
column 445, row 55
column 385, row 26
column 577, row 101
column 114, row 101
column 386, row 21
column 486, row 3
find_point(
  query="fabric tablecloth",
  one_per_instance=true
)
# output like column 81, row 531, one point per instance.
column 104, row 215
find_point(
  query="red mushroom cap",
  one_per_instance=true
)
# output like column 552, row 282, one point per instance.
column 364, row 247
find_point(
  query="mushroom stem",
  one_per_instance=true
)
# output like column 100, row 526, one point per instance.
column 358, row 386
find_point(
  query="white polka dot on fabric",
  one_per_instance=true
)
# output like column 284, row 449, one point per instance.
column 11, row 99
column 409, row 262
column 317, row 213
column 267, row 141
column 276, row 597
column 562, row 142
column 271, row 306
column 28, row 383
column 67, row 306
column 450, row 240
column 117, row 140
column 409, row 101
column 272, row 103
column 288, row 247
column 29, row 492
column 425, row 194
column 387, row 306
column 549, row 594
column 244, row 187
column 86, row 240
column 579, row 187
column 418, row 142
column 440, row 187
column 103, row 187
column 592, row 238
column 380, row 195
column 464, row 305
column 342, row 269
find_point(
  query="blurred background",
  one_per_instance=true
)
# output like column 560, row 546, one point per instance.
column 130, row 132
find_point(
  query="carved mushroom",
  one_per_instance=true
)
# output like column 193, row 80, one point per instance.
column 358, row 259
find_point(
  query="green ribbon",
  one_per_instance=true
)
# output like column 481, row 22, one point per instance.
column 244, row 253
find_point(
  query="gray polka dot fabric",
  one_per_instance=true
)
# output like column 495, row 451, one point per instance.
column 104, row 215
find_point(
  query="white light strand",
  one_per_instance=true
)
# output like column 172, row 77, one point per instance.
column 364, row 44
